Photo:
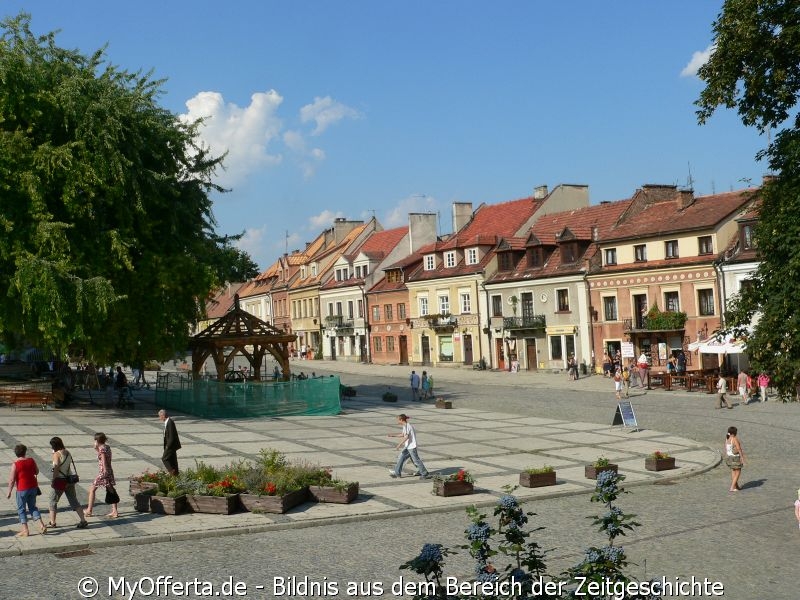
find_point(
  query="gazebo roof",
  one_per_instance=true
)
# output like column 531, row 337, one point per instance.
column 239, row 327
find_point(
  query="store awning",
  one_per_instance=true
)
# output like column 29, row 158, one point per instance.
column 714, row 345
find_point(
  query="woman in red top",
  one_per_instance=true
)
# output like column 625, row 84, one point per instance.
column 23, row 476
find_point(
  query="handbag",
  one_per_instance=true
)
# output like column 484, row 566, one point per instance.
column 38, row 491
column 112, row 497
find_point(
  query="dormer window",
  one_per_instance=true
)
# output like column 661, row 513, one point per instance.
column 314, row 270
column 358, row 272
column 430, row 262
column 450, row 259
column 472, row 256
column 536, row 257
column 303, row 272
column 569, row 252
column 746, row 235
column 705, row 245
column 505, row 261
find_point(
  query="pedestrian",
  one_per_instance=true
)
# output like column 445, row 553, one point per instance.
column 618, row 384
column 797, row 508
column 626, row 381
column 105, row 476
column 408, row 449
column 734, row 457
column 763, row 384
column 607, row 365
column 680, row 363
column 414, row 379
column 172, row 443
column 23, row 476
column 643, row 365
column 722, row 388
column 425, row 385
column 430, row 386
column 64, row 480
column 741, row 383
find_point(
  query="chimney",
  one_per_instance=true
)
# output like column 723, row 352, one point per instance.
column 462, row 213
column 685, row 199
column 540, row 192
column 341, row 227
column 422, row 229
column 768, row 178
column 594, row 233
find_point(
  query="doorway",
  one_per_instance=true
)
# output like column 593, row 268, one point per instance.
column 426, row 350
column 467, row 349
column 530, row 354
column 403, row 343
column 640, row 310
column 333, row 348
column 500, row 353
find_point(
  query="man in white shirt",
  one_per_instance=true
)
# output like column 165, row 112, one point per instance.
column 408, row 443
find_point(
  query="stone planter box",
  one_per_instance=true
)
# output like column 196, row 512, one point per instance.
column 591, row 472
column 273, row 504
column 141, row 502
column 659, row 464
column 164, row 505
column 451, row 488
column 137, row 487
column 216, row 505
column 444, row 404
column 532, row 480
column 330, row 494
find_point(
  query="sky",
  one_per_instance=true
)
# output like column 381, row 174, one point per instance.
column 361, row 108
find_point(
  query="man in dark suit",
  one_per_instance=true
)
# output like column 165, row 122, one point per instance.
column 171, row 443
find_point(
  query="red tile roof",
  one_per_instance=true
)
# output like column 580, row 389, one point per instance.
column 221, row 302
column 381, row 243
column 492, row 221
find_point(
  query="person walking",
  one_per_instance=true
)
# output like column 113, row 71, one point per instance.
column 425, row 385
column 62, row 483
column 763, row 384
column 741, row 383
column 172, row 443
column 797, row 508
column 626, row 381
column 722, row 388
column 734, row 457
column 105, row 477
column 408, row 449
column 618, row 384
column 23, row 476
column 414, row 380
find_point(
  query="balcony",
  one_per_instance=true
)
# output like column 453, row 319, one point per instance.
column 527, row 322
column 441, row 323
column 334, row 321
column 662, row 321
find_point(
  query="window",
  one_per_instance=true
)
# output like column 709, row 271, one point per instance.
column 330, row 309
column 430, row 262
column 497, row 306
column 305, row 308
column 376, row 313
column 569, row 252
column 393, row 276
column 640, row 253
column 358, row 272
column 504, row 261
column 472, row 256
column 671, row 248
column 611, row 256
column 535, row 257
column 562, row 298
column 361, row 309
column 672, row 301
column 423, row 307
column 705, row 302
column 610, row 308
column 747, row 237
column 450, row 259
column 350, row 309
column 466, row 306
column 387, row 312
column 314, row 270
column 390, row 344
column 365, row 270
column 377, row 344
column 444, row 305
column 705, row 246
column 556, row 353
column 401, row 311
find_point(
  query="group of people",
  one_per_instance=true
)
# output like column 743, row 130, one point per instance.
column 421, row 387
column 24, row 476
column 746, row 388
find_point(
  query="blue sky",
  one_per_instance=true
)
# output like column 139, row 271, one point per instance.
column 348, row 109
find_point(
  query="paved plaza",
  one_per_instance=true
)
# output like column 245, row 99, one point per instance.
column 501, row 423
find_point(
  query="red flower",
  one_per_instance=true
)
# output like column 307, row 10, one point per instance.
column 270, row 488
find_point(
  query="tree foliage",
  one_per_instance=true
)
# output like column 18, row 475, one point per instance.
column 755, row 68
column 108, row 239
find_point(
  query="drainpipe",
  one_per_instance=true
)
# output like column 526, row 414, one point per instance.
column 489, row 327
column 480, row 337
column 591, row 324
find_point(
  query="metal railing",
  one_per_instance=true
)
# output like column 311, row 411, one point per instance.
column 526, row 322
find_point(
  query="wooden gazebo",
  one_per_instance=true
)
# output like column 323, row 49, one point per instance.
column 233, row 334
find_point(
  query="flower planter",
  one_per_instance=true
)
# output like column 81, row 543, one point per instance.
column 659, row 464
column 217, row 505
column 331, row 494
column 444, row 404
column 165, row 505
column 273, row 504
column 137, row 487
column 451, row 488
column 533, row 480
column 141, row 502
column 592, row 472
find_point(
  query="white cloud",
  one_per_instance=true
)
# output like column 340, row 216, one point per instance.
column 244, row 133
column 416, row 203
column 326, row 112
column 698, row 60
column 252, row 242
column 307, row 158
column 323, row 220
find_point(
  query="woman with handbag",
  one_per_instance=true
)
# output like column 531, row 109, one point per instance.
column 105, row 477
column 734, row 457
column 23, row 476
column 65, row 476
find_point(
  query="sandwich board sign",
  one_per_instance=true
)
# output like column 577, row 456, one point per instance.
column 625, row 416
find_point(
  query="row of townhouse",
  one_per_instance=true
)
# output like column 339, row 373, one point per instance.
column 521, row 284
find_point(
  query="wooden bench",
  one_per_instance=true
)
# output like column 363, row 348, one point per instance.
column 30, row 397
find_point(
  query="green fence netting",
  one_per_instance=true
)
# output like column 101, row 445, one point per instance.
column 212, row 399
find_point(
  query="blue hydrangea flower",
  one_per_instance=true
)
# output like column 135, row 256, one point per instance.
column 478, row 532
column 431, row 552
column 508, row 502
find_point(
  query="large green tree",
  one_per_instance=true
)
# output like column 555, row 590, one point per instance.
column 755, row 68
column 107, row 238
